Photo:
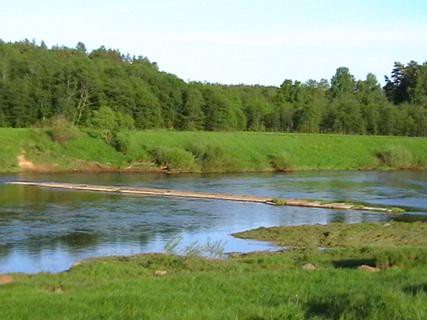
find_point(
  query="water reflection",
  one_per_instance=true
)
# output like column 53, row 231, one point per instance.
column 48, row 230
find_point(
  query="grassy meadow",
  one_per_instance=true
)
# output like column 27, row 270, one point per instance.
column 48, row 154
column 250, row 286
column 177, row 151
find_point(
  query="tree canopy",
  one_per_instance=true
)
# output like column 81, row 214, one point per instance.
column 105, row 87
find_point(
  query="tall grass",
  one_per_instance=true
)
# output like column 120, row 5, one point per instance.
column 174, row 159
column 396, row 157
column 62, row 131
column 281, row 162
column 254, row 286
column 213, row 158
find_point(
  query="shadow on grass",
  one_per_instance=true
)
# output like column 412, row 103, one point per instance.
column 343, row 306
column 353, row 263
column 416, row 289
column 410, row 217
column 324, row 310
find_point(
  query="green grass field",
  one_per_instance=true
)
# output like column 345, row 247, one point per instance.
column 49, row 155
column 210, row 151
column 252, row 286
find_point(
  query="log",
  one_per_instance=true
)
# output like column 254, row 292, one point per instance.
column 207, row 196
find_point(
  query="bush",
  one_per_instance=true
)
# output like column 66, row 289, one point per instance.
column 121, row 142
column 61, row 130
column 173, row 159
column 106, row 124
column 212, row 158
column 107, row 119
column 281, row 162
column 396, row 157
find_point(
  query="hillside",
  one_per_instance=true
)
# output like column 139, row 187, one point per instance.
column 180, row 151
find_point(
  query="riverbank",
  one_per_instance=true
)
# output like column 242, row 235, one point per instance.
column 38, row 150
column 369, row 282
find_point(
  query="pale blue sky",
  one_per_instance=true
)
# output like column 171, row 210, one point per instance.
column 234, row 41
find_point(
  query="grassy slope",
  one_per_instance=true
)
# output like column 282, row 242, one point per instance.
column 305, row 151
column 240, row 151
column 39, row 148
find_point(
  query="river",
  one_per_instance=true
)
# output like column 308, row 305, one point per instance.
column 50, row 230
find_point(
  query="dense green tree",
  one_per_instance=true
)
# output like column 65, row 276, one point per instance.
column 81, row 47
column 89, row 88
column 146, row 111
column 418, row 92
column 107, row 119
column 403, row 80
column 190, row 116
column 389, row 124
column 342, row 83
column 220, row 112
column 369, row 91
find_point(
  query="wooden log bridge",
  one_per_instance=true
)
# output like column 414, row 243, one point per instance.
column 207, row 196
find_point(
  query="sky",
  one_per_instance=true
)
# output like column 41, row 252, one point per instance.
column 235, row 41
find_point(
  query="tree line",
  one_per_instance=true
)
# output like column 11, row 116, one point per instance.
column 105, row 86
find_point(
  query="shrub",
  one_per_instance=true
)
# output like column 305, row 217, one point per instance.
column 107, row 119
column 212, row 158
column 281, row 162
column 396, row 157
column 61, row 130
column 173, row 159
column 110, row 122
column 121, row 142
column 198, row 149
column 106, row 124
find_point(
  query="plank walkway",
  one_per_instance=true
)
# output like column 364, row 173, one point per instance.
column 203, row 195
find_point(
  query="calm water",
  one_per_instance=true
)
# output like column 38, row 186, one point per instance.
column 46, row 230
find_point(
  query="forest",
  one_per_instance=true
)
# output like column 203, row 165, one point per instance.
column 105, row 88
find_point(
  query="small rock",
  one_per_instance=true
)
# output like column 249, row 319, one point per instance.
column 55, row 289
column 5, row 280
column 367, row 268
column 309, row 267
column 160, row 273
column 387, row 224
